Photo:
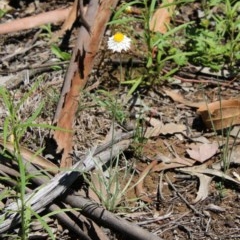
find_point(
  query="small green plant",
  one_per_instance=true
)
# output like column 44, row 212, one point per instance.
column 111, row 185
column 221, row 189
column 161, row 49
column 109, row 102
column 215, row 39
column 211, row 42
column 2, row 13
column 48, row 31
column 63, row 56
column 14, row 128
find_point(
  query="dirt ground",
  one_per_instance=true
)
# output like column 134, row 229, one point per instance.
column 167, row 205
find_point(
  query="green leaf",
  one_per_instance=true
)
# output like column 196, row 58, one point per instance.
column 137, row 82
column 44, row 224
column 2, row 13
column 59, row 53
column 123, row 20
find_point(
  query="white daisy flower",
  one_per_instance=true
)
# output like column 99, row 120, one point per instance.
column 119, row 42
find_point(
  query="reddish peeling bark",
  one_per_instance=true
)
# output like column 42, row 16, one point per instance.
column 97, row 15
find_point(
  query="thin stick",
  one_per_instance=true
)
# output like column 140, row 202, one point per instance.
column 182, row 197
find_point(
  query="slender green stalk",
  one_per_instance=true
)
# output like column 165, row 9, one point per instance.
column 116, row 102
column 13, row 130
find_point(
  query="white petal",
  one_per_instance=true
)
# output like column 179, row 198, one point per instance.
column 119, row 46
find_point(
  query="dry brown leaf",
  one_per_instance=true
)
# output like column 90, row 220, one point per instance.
column 140, row 192
column 220, row 174
column 161, row 18
column 201, row 171
column 235, row 155
column 155, row 130
column 4, row 5
column 214, row 208
column 99, row 231
column 202, row 152
column 204, row 170
column 95, row 181
column 154, row 122
column 163, row 166
column 183, row 161
column 160, row 128
column 221, row 114
column 177, row 97
column 152, row 132
column 235, row 132
column 200, row 139
column 203, row 187
column 236, row 175
column 171, row 128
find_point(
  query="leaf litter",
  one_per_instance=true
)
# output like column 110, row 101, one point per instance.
column 157, row 156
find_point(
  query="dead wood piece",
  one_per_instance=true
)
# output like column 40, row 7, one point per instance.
column 71, row 18
column 12, row 81
column 109, row 220
column 32, row 157
column 54, row 16
column 76, row 77
column 20, row 52
column 155, row 219
column 67, row 221
column 89, row 209
column 72, row 15
column 61, row 182
column 61, row 216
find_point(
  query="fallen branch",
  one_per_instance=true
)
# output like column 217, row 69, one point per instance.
column 61, row 182
column 8, row 172
column 89, row 208
column 109, row 220
column 55, row 16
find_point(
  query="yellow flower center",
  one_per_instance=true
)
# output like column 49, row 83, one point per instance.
column 118, row 37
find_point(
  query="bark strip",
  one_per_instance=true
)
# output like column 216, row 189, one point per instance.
column 81, row 64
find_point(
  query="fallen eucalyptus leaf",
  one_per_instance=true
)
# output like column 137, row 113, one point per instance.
column 235, row 155
column 171, row 128
column 161, row 18
column 177, row 97
column 235, row 132
column 213, row 172
column 203, row 152
column 155, row 130
column 204, row 182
